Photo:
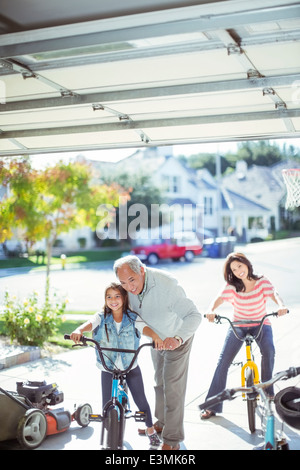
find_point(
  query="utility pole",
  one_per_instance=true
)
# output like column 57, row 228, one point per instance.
column 219, row 194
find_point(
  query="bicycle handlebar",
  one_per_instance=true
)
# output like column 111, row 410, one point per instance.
column 228, row 394
column 135, row 352
column 235, row 324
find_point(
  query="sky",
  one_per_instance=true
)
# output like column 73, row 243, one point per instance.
column 114, row 155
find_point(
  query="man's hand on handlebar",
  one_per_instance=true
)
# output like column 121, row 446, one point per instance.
column 171, row 344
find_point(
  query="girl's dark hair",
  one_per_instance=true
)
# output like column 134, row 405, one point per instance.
column 231, row 278
column 122, row 291
column 107, row 311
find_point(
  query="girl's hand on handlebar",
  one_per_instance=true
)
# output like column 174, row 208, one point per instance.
column 282, row 311
column 158, row 342
column 75, row 336
column 210, row 317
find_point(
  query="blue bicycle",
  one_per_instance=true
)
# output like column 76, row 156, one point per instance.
column 117, row 409
column 289, row 410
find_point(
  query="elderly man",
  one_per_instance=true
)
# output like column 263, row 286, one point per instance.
column 157, row 297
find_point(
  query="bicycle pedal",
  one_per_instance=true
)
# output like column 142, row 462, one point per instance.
column 97, row 418
column 128, row 414
column 140, row 416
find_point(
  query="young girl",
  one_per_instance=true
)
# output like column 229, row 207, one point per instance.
column 118, row 327
column 248, row 294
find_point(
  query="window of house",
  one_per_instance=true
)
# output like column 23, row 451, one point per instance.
column 172, row 183
column 208, row 205
column 255, row 222
column 226, row 223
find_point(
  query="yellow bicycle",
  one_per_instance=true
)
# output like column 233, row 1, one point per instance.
column 249, row 369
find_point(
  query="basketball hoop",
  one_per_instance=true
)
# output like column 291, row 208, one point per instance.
column 292, row 181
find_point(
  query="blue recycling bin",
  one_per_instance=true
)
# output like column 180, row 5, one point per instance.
column 226, row 246
column 223, row 246
column 231, row 244
column 212, row 248
column 219, row 247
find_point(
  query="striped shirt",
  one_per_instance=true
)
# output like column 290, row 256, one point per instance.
column 249, row 305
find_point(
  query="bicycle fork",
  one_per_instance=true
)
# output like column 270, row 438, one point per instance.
column 273, row 439
column 250, row 364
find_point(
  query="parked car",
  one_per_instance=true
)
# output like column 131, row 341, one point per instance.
column 182, row 245
column 13, row 247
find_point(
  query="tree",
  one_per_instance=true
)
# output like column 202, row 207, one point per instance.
column 259, row 153
column 253, row 152
column 6, row 215
column 142, row 191
column 45, row 203
column 6, row 223
column 208, row 161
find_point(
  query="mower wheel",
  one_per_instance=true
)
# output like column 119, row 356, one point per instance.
column 82, row 414
column 32, row 428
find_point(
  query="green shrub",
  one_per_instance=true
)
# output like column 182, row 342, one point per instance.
column 31, row 322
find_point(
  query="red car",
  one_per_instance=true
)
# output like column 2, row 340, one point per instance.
column 183, row 245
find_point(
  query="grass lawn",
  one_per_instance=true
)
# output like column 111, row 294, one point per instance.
column 65, row 328
column 72, row 257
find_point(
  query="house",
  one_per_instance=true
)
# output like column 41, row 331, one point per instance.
column 177, row 182
column 227, row 211
column 262, row 185
column 197, row 200
column 246, row 219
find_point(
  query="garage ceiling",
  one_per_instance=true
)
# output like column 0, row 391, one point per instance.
column 92, row 75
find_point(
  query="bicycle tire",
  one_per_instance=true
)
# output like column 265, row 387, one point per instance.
column 113, row 430
column 251, row 401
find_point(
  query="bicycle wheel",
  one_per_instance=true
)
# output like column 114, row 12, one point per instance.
column 251, row 400
column 113, row 430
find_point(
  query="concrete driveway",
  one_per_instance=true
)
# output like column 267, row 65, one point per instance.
column 77, row 376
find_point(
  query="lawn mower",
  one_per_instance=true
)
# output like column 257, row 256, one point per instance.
column 26, row 415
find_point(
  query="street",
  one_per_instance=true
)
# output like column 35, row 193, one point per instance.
column 202, row 280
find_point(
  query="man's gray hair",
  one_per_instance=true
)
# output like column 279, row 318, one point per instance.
column 132, row 261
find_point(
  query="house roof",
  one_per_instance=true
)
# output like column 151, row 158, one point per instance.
column 182, row 201
column 141, row 161
column 254, row 183
column 237, row 202
column 276, row 169
column 260, row 183
column 204, row 184
column 101, row 74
